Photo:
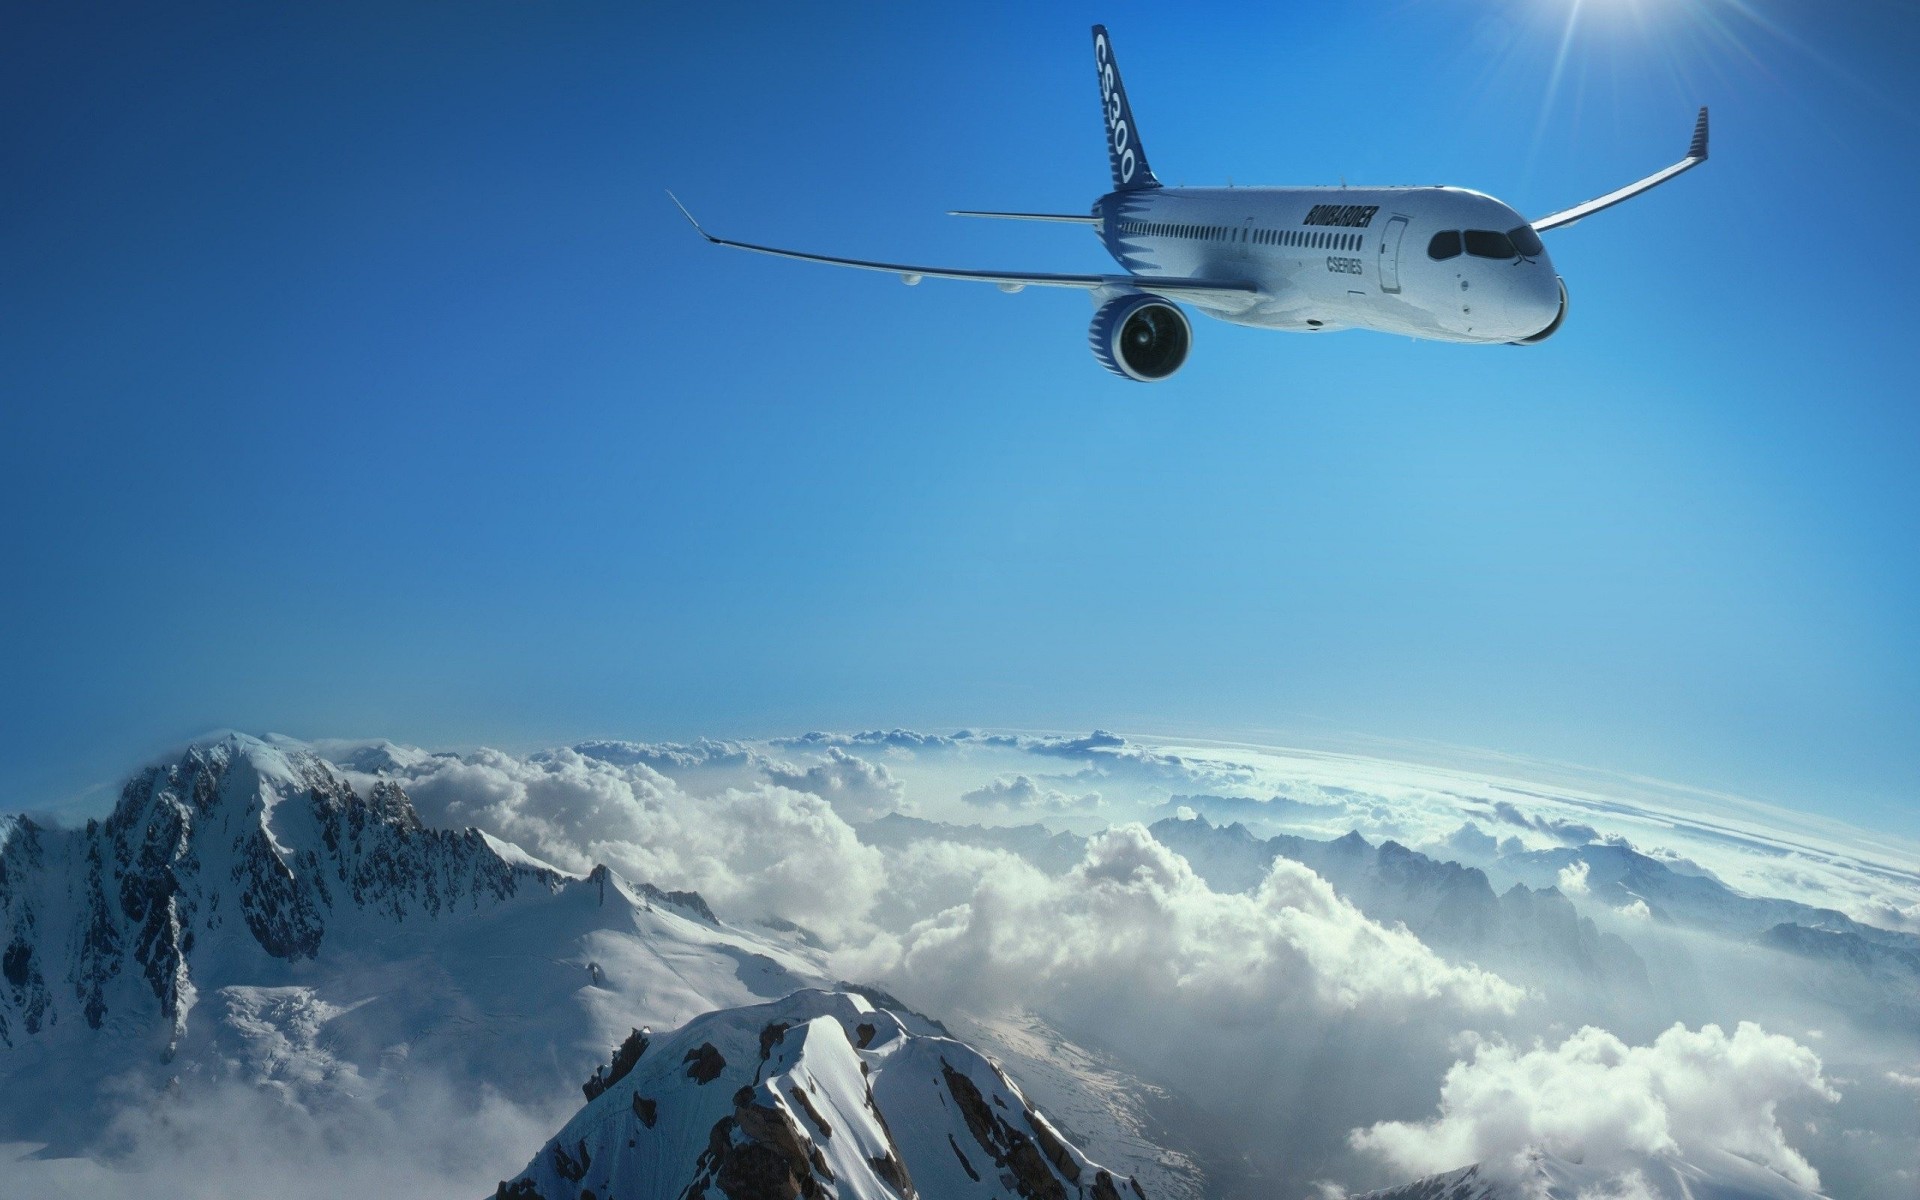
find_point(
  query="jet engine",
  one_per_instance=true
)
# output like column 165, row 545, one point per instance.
column 1140, row 337
column 1553, row 326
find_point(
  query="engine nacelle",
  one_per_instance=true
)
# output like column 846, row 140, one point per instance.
column 1140, row 337
column 1553, row 326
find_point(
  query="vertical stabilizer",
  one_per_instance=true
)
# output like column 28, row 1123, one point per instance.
column 1124, row 153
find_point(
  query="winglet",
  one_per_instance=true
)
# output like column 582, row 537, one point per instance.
column 689, row 216
column 1696, row 154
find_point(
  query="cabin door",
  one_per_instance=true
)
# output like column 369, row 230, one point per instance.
column 1390, row 254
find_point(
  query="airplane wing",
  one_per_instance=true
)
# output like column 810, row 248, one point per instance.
column 1696, row 154
column 1008, row 281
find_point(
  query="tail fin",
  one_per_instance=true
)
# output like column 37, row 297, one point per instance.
column 1124, row 153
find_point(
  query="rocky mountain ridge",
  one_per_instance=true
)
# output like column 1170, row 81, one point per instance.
column 244, row 913
column 237, row 852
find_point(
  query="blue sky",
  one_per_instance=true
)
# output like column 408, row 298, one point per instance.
column 359, row 379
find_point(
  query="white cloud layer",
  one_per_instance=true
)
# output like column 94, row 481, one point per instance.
column 1135, row 909
column 1572, row 880
column 1596, row 1099
column 1020, row 793
column 748, row 850
column 858, row 790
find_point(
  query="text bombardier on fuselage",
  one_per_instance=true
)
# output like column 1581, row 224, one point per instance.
column 1444, row 263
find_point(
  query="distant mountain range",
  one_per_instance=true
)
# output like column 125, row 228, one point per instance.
column 246, row 914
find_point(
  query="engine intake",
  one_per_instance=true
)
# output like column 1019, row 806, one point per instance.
column 1140, row 337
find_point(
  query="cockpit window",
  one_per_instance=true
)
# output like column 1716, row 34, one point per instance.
column 1485, row 243
column 1526, row 241
column 1444, row 245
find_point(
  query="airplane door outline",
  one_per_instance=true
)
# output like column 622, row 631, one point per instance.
column 1390, row 254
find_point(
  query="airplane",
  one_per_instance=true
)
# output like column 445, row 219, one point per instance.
column 1443, row 263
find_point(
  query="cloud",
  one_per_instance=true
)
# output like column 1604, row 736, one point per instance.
column 1133, row 908
column 1021, row 794
column 1598, row 1100
column 1638, row 910
column 1471, row 844
column 1287, row 1013
column 1573, row 833
column 893, row 739
column 665, row 756
column 1572, row 880
column 858, row 790
column 231, row 1141
column 749, row 851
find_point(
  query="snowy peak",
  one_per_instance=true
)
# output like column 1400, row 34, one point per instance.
column 240, row 851
column 818, row 1094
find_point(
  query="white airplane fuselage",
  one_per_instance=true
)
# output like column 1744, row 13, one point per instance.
column 1327, row 258
column 1442, row 263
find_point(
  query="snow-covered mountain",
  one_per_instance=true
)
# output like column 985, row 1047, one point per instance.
column 1534, row 935
column 245, row 913
column 1707, row 1175
column 818, row 1094
column 1619, row 875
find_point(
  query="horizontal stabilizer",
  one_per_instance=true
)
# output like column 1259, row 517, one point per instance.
column 1066, row 218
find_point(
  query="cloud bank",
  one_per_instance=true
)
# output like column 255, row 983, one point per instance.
column 1596, row 1099
column 749, row 851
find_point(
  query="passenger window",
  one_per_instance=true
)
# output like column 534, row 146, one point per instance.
column 1526, row 241
column 1444, row 245
column 1485, row 243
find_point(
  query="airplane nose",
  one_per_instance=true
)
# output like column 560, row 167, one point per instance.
column 1534, row 300
column 1547, row 315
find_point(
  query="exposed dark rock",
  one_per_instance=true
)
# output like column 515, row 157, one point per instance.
column 646, row 1109
column 17, row 965
column 1008, row 1147
column 771, row 1037
column 865, row 1032
column 1051, row 1146
column 571, row 1167
column 894, row 1174
column 1103, row 1188
column 704, row 1063
column 819, row 1162
column 624, row 1059
column 799, row 1095
column 519, row 1189
column 1030, row 1169
column 962, row 1156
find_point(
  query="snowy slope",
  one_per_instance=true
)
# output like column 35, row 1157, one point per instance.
column 817, row 1094
column 245, row 914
